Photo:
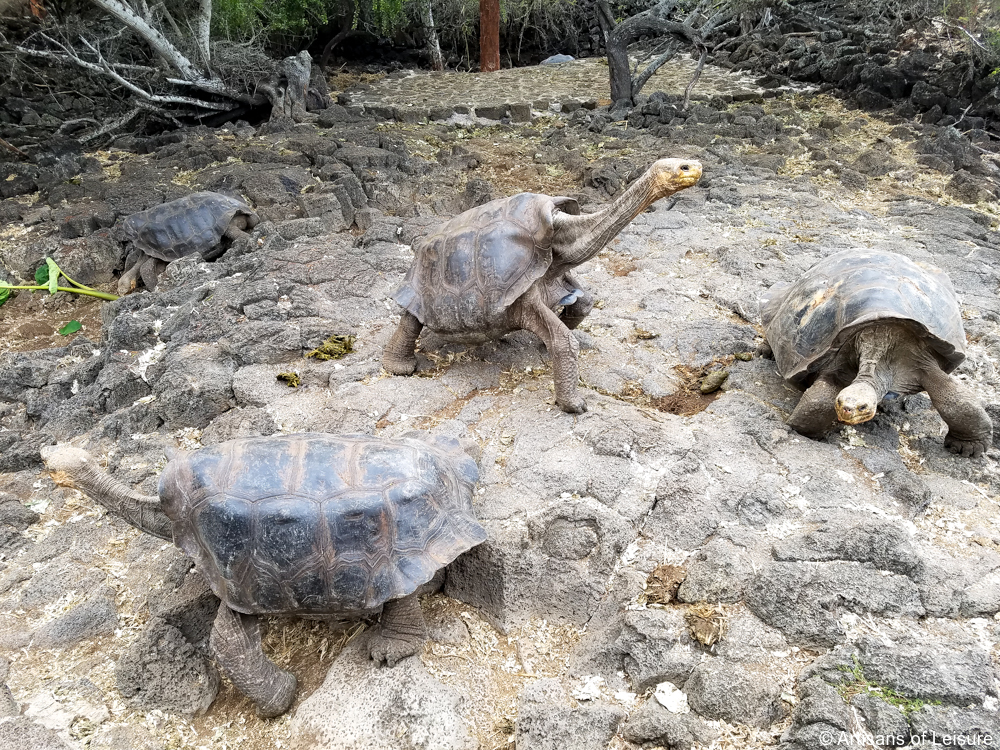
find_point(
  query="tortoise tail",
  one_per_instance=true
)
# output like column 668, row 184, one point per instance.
column 141, row 511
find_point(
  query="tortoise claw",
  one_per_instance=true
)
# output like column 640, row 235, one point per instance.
column 965, row 447
column 390, row 650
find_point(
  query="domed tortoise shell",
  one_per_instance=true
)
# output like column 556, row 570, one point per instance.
column 473, row 267
column 193, row 224
column 315, row 523
column 806, row 322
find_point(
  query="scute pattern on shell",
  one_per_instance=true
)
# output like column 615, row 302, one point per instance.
column 192, row 224
column 476, row 265
column 808, row 321
column 321, row 523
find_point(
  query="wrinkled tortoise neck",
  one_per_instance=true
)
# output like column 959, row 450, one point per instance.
column 141, row 511
column 578, row 238
column 878, row 355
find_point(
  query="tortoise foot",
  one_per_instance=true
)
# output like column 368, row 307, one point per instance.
column 969, row 447
column 388, row 650
column 572, row 405
column 282, row 693
column 399, row 365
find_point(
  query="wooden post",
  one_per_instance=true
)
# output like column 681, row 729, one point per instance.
column 489, row 35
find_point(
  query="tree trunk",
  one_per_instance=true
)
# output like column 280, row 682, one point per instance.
column 288, row 93
column 433, row 45
column 489, row 35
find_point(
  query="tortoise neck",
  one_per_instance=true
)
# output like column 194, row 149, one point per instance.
column 578, row 238
column 141, row 511
column 892, row 358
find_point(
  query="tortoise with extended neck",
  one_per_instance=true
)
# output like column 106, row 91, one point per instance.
column 196, row 223
column 305, row 524
column 863, row 324
column 506, row 266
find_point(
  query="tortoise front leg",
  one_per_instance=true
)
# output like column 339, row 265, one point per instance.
column 237, row 227
column 398, row 357
column 970, row 429
column 235, row 642
column 535, row 316
column 130, row 276
column 816, row 413
column 401, row 631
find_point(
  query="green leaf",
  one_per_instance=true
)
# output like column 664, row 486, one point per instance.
column 4, row 294
column 42, row 274
column 72, row 327
column 53, row 275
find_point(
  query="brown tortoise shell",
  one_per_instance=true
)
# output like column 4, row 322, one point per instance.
column 315, row 523
column 807, row 322
column 473, row 267
column 193, row 224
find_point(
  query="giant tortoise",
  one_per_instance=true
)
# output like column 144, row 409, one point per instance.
column 308, row 524
column 506, row 266
column 862, row 324
column 196, row 223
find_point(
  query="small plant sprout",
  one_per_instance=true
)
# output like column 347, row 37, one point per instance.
column 47, row 278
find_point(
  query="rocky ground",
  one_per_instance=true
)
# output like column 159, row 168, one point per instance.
column 666, row 570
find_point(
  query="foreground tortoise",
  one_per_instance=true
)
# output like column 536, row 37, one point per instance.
column 862, row 324
column 305, row 524
column 196, row 223
column 505, row 266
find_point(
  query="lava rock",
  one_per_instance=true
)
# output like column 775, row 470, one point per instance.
column 161, row 670
column 718, row 689
column 545, row 721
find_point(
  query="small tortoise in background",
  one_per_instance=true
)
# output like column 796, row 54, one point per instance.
column 862, row 324
column 307, row 524
column 196, row 223
column 506, row 266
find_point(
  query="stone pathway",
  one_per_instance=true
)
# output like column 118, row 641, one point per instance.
column 412, row 96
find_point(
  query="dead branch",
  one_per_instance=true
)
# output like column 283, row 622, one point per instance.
column 13, row 149
column 69, row 126
column 160, row 44
column 654, row 66
column 102, row 66
column 694, row 78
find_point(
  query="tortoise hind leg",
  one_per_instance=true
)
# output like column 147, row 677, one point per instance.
column 398, row 357
column 970, row 429
column 401, row 631
column 235, row 642
column 816, row 413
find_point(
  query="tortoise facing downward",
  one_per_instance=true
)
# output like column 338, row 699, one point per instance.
column 862, row 324
column 196, row 223
column 303, row 524
column 506, row 266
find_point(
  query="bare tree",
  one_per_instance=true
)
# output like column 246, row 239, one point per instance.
column 677, row 33
column 187, row 75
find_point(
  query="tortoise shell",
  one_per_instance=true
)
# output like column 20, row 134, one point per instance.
column 193, row 224
column 473, row 267
column 807, row 322
column 315, row 523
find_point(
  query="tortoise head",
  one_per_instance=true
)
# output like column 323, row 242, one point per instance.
column 671, row 175
column 857, row 403
column 65, row 462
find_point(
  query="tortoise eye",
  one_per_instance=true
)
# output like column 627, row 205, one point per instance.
column 685, row 167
